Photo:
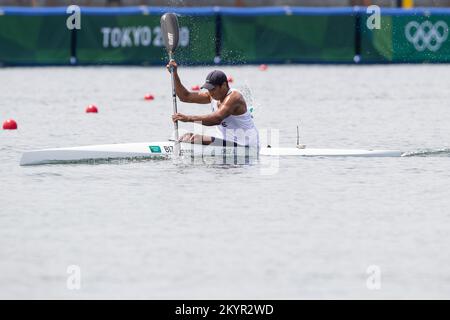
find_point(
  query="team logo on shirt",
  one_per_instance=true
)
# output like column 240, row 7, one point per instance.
column 224, row 124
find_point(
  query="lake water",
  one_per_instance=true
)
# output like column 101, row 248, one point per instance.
column 313, row 228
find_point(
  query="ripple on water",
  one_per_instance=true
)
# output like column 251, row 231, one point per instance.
column 308, row 228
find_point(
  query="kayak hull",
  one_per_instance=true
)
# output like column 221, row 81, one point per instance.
column 149, row 150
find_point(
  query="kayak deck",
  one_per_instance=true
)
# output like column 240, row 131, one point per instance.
column 311, row 152
column 165, row 150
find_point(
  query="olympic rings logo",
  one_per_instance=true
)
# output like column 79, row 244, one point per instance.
column 426, row 35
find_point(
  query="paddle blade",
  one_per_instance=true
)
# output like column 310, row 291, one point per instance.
column 170, row 31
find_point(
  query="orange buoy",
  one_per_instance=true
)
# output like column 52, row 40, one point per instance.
column 10, row 124
column 263, row 67
column 149, row 97
column 92, row 108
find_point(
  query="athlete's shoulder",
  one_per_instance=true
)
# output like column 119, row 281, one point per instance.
column 235, row 92
column 236, row 95
column 238, row 98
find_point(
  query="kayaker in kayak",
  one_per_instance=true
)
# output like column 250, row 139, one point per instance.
column 229, row 112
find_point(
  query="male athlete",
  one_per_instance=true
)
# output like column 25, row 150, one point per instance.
column 229, row 114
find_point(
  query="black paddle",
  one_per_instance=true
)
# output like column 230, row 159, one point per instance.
column 170, row 33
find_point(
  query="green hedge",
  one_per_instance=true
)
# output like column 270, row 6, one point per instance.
column 288, row 39
column 425, row 42
column 137, row 40
column 131, row 35
column 34, row 40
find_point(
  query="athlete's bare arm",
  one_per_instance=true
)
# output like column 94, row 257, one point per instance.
column 184, row 94
column 226, row 109
column 239, row 103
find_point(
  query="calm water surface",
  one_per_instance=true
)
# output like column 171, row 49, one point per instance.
column 157, row 229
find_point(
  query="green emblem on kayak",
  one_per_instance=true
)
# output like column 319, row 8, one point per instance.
column 155, row 149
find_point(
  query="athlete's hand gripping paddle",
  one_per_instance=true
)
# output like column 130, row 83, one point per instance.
column 170, row 34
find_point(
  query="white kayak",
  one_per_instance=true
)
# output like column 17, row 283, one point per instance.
column 149, row 150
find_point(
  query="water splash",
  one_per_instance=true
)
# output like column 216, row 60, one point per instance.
column 444, row 152
column 249, row 98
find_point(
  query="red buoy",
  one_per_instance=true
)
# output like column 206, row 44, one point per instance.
column 149, row 97
column 263, row 67
column 230, row 79
column 10, row 124
column 195, row 88
column 91, row 109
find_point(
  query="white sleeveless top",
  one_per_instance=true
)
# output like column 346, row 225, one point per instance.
column 240, row 129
